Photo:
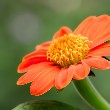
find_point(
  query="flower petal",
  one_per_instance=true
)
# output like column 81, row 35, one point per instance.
column 63, row 30
column 43, row 46
column 34, row 54
column 98, row 63
column 63, row 78
column 33, row 73
column 101, row 50
column 101, row 39
column 25, row 65
column 80, row 71
column 85, row 25
column 97, row 29
column 44, row 81
column 100, row 25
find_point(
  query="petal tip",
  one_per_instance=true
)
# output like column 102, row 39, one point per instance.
column 19, row 68
column 18, row 83
column 63, row 30
column 35, row 92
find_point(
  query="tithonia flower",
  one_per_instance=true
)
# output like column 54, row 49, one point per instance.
column 69, row 55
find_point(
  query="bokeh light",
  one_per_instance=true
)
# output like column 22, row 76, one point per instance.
column 24, row 26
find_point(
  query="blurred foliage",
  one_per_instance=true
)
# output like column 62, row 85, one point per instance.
column 26, row 23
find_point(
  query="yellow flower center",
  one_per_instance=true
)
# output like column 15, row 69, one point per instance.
column 68, row 50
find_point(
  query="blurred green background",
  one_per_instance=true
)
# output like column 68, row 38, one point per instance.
column 26, row 23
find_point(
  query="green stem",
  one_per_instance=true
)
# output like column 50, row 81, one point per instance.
column 88, row 92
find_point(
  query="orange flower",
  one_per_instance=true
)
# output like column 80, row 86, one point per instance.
column 69, row 55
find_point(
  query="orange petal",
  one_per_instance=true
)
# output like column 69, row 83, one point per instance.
column 85, row 25
column 63, row 78
column 101, row 39
column 101, row 50
column 63, row 30
column 44, row 81
column 25, row 65
column 100, row 25
column 95, row 28
column 98, row 63
column 33, row 73
column 80, row 71
column 34, row 54
column 43, row 46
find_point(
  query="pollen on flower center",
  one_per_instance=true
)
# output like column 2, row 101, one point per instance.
column 68, row 49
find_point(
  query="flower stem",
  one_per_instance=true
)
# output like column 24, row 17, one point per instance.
column 88, row 92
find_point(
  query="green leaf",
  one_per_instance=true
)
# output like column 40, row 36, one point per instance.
column 44, row 105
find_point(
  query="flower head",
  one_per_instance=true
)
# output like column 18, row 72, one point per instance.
column 68, row 50
column 69, row 55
